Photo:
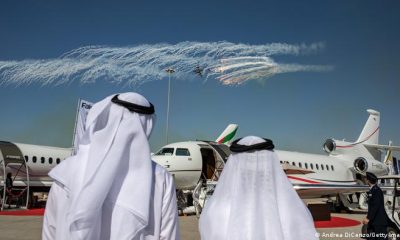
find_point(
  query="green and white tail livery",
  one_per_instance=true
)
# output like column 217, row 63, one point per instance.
column 228, row 134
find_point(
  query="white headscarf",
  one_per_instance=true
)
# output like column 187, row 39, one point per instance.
column 113, row 165
column 255, row 200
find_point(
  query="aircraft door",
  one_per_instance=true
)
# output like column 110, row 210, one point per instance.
column 208, row 166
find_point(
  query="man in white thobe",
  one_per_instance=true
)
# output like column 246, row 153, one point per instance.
column 111, row 189
column 254, row 199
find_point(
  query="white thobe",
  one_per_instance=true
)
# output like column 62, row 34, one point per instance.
column 163, row 218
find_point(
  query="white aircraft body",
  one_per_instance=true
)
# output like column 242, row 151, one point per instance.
column 39, row 160
column 190, row 161
column 337, row 172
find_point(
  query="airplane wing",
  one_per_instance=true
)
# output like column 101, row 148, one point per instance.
column 383, row 147
column 326, row 190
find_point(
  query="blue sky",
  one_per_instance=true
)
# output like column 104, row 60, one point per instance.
column 297, row 110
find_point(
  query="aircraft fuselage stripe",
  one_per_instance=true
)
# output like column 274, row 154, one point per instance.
column 353, row 144
column 301, row 179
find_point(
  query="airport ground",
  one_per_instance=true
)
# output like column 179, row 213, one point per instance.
column 30, row 227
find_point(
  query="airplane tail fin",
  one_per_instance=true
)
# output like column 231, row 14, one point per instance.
column 370, row 132
column 228, row 134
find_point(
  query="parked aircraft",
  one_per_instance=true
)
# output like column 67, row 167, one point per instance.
column 40, row 160
column 339, row 171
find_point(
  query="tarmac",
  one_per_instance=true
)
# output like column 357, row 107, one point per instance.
column 30, row 227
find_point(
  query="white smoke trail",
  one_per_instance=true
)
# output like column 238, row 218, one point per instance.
column 140, row 64
column 236, row 71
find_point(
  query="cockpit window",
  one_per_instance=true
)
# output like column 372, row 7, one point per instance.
column 182, row 152
column 165, row 152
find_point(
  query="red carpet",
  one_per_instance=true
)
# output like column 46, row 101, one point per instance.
column 333, row 223
column 29, row 212
column 336, row 222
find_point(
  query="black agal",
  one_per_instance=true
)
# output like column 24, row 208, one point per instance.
column 133, row 107
column 237, row 148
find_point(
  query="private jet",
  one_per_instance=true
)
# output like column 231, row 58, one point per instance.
column 338, row 172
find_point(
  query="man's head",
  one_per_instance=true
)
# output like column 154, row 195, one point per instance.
column 371, row 178
column 251, row 144
column 115, row 146
column 109, row 112
column 136, row 103
column 9, row 175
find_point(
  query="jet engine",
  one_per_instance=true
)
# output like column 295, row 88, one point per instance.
column 360, row 165
column 329, row 146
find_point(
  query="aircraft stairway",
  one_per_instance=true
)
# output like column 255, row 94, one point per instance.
column 206, row 186
column 13, row 162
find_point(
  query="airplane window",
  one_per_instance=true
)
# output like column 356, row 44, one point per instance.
column 51, row 160
column 322, row 167
column 293, row 163
column 327, row 167
column 332, row 168
column 42, row 159
column 299, row 164
column 57, row 160
column 316, row 166
column 166, row 152
column 182, row 152
column 281, row 162
column 26, row 158
column 34, row 159
column 306, row 165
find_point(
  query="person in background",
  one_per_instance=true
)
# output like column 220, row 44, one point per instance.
column 9, row 188
column 9, row 182
column 377, row 219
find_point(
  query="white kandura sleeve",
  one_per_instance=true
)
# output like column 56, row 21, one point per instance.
column 50, row 214
column 169, row 221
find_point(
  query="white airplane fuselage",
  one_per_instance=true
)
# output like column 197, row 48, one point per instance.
column 187, row 161
column 329, row 174
column 187, row 169
column 326, row 169
column 39, row 160
column 192, row 161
